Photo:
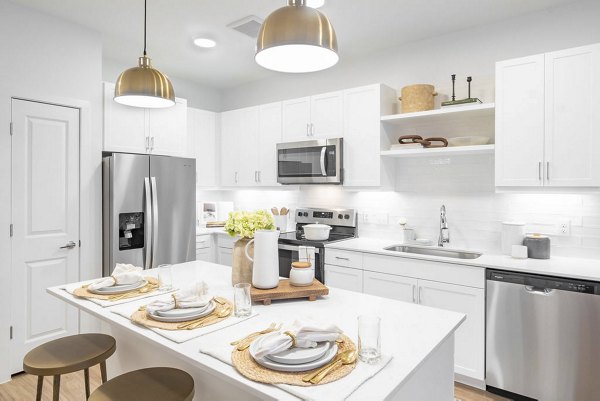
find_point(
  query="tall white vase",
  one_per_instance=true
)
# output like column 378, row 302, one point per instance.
column 265, row 273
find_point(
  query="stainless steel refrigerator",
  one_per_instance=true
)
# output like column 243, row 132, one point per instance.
column 149, row 210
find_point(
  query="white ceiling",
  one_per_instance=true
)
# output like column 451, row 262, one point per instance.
column 362, row 27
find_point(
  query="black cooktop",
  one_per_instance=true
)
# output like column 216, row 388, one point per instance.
column 297, row 238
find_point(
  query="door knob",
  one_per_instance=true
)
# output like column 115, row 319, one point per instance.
column 70, row 245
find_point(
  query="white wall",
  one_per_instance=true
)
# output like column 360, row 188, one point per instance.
column 470, row 52
column 50, row 59
column 198, row 96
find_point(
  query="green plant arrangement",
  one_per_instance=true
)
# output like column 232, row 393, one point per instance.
column 245, row 224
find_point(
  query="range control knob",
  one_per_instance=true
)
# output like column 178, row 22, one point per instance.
column 305, row 214
column 340, row 216
column 347, row 216
column 300, row 214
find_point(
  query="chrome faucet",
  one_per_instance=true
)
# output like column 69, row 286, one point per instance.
column 444, row 230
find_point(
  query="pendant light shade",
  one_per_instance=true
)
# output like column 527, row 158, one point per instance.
column 144, row 86
column 296, row 38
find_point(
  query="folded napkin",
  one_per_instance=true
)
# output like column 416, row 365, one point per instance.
column 195, row 297
column 123, row 274
column 302, row 334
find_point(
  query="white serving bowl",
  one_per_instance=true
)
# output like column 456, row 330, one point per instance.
column 316, row 232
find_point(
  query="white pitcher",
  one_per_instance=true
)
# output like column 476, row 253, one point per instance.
column 265, row 273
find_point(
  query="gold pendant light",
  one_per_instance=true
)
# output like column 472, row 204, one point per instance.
column 296, row 38
column 144, row 86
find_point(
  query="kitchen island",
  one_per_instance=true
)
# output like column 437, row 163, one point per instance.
column 419, row 339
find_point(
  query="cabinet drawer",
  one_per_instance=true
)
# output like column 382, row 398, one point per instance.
column 203, row 241
column 471, row 276
column 344, row 258
column 225, row 241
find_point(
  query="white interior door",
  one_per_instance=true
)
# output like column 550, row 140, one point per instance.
column 45, row 216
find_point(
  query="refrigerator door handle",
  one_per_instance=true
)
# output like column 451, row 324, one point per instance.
column 154, row 217
column 148, row 225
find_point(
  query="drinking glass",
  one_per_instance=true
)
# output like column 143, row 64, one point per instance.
column 369, row 338
column 165, row 278
column 242, row 302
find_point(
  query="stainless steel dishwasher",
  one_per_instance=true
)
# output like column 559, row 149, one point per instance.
column 542, row 337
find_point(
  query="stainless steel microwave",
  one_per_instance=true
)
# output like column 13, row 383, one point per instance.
column 317, row 161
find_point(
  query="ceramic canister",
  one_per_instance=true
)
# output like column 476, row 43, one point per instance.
column 512, row 234
column 538, row 246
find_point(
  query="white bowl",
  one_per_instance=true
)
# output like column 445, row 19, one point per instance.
column 316, row 232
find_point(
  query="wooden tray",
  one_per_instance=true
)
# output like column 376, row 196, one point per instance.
column 287, row 291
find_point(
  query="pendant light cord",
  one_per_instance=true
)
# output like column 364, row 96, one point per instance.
column 145, row 27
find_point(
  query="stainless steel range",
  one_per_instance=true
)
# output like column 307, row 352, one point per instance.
column 344, row 226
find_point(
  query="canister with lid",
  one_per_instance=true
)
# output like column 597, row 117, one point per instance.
column 538, row 246
column 301, row 274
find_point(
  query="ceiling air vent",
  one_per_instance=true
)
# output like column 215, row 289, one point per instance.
column 249, row 26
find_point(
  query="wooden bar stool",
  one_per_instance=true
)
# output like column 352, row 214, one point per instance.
column 151, row 384
column 67, row 355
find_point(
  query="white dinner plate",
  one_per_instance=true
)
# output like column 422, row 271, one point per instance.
column 119, row 288
column 179, row 319
column 183, row 312
column 282, row 367
column 297, row 356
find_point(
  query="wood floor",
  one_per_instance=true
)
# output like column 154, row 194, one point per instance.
column 22, row 388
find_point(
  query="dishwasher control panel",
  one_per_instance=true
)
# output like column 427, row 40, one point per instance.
column 544, row 282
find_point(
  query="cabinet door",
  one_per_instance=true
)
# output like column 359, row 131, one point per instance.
column 124, row 126
column 344, row 277
column 269, row 136
column 225, row 256
column 205, row 255
column 327, row 115
column 520, row 122
column 168, row 129
column 230, row 128
column 390, row 286
column 470, row 336
column 362, row 137
column 202, row 145
column 247, row 143
column 573, row 117
column 295, row 119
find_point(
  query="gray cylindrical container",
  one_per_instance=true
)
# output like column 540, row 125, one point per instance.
column 538, row 246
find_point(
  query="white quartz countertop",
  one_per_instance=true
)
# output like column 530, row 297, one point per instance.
column 575, row 268
column 206, row 231
column 410, row 332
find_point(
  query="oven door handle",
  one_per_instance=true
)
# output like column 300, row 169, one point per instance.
column 293, row 248
column 323, row 169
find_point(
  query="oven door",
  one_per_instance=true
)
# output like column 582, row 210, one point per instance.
column 310, row 162
column 289, row 253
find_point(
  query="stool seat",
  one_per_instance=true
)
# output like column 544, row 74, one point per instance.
column 151, row 384
column 69, row 354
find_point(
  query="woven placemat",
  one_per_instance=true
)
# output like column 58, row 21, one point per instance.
column 141, row 317
column 245, row 364
column 149, row 288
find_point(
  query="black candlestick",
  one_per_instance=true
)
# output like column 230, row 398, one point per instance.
column 469, row 79
column 453, row 80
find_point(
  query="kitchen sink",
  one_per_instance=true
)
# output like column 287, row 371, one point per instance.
column 447, row 253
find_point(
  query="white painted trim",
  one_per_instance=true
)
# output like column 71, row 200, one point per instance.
column 90, row 198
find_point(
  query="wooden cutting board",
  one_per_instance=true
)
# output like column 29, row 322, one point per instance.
column 287, row 291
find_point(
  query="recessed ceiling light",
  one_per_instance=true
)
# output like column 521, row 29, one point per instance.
column 315, row 3
column 204, row 42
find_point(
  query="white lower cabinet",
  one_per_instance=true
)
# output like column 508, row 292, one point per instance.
column 344, row 277
column 389, row 286
column 460, row 289
column 225, row 256
column 469, row 342
column 205, row 249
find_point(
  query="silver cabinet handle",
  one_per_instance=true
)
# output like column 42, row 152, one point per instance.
column 236, row 174
column 419, row 294
column 307, row 129
column 259, row 177
column 340, row 258
column 147, row 143
column 148, row 224
column 154, row 219
column 152, row 144
column 255, row 176
column 69, row 245
column 548, row 171
column 414, row 287
column 312, row 129
column 540, row 171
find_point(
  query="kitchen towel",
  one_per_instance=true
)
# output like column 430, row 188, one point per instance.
column 70, row 288
column 180, row 336
column 217, row 346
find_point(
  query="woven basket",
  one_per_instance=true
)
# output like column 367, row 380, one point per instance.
column 417, row 97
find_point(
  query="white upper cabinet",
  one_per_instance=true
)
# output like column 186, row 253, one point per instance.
column 520, row 121
column 137, row 130
column 547, row 120
column 230, row 129
column 269, row 136
column 124, row 126
column 247, row 143
column 168, row 129
column 319, row 116
column 573, row 117
column 202, row 145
